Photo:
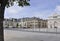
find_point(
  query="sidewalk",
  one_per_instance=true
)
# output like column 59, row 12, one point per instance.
column 54, row 31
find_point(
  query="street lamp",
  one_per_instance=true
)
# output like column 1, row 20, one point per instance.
column 34, row 25
column 55, row 26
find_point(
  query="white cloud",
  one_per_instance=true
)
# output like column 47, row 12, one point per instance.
column 57, row 9
column 14, row 9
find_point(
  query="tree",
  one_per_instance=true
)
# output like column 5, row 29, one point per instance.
column 8, row 3
column 17, row 25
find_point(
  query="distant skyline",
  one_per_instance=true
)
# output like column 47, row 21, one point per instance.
column 38, row 8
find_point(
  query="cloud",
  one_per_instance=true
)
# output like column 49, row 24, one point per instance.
column 57, row 9
column 14, row 10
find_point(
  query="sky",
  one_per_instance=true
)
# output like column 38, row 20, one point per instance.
column 38, row 8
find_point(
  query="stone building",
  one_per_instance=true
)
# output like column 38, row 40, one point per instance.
column 27, row 22
column 10, row 22
column 32, row 22
column 54, row 21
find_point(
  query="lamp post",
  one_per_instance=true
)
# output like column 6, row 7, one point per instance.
column 55, row 26
column 34, row 25
column 39, row 25
column 22, row 22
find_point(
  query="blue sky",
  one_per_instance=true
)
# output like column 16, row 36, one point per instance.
column 38, row 8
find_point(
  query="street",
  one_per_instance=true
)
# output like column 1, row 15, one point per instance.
column 12, row 35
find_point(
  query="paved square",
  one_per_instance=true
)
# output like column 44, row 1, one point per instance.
column 10, row 35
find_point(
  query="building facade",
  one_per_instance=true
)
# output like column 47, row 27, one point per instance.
column 32, row 23
column 54, row 21
column 10, row 22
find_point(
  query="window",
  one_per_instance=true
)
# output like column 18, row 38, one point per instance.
column 54, row 16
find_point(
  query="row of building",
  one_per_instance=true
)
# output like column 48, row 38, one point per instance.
column 33, row 22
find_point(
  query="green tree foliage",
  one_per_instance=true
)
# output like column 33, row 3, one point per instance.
column 17, row 25
column 9, row 3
